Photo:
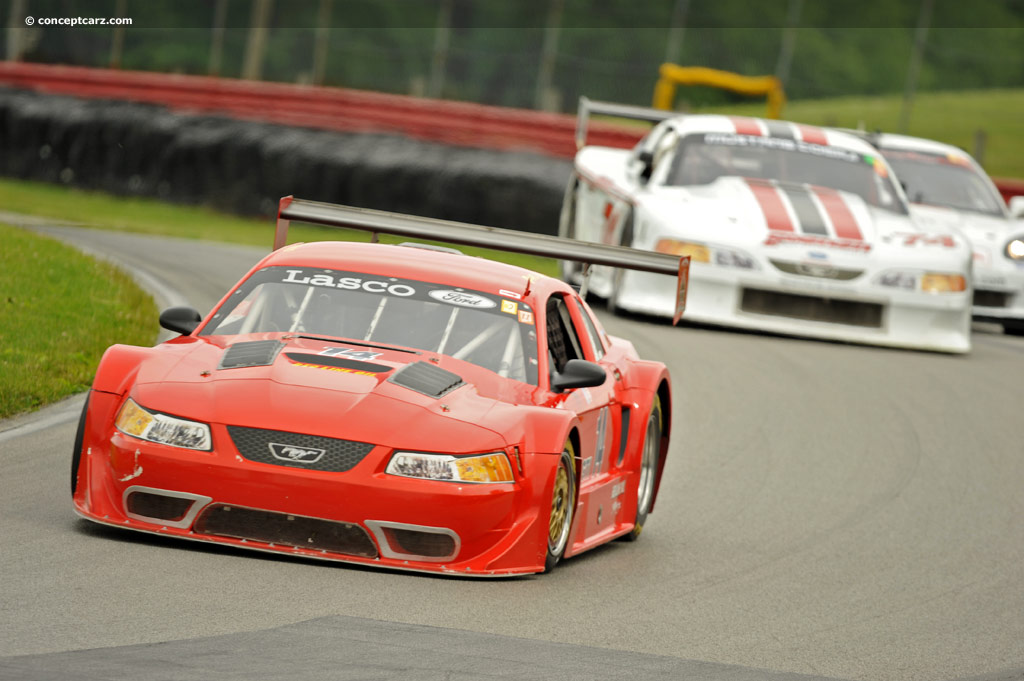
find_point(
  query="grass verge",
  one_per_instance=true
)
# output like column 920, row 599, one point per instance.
column 59, row 310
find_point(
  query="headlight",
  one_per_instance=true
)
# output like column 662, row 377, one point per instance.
column 167, row 430
column 729, row 258
column 480, row 468
column 943, row 283
column 1015, row 249
column 702, row 253
column 928, row 282
column 697, row 252
column 899, row 280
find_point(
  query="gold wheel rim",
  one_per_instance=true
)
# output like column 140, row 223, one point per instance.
column 559, row 508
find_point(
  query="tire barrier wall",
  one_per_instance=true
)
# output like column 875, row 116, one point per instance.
column 240, row 166
column 341, row 109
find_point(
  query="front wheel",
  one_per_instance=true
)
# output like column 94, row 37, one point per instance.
column 563, row 500
column 76, row 454
column 648, row 470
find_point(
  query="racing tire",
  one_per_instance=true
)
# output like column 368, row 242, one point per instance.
column 76, row 455
column 563, row 503
column 568, row 269
column 1015, row 329
column 648, row 471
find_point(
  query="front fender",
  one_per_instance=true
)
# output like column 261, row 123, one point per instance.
column 118, row 368
column 538, row 430
column 646, row 381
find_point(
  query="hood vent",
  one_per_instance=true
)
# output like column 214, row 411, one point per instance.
column 426, row 378
column 251, row 354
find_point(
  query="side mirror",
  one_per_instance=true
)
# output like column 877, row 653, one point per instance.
column 183, row 320
column 1017, row 207
column 646, row 161
column 578, row 373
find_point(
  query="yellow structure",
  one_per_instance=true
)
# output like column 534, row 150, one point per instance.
column 673, row 75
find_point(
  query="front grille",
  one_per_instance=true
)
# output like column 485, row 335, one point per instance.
column 288, row 530
column 296, row 450
column 812, row 308
column 158, row 506
column 991, row 298
column 417, row 543
column 816, row 269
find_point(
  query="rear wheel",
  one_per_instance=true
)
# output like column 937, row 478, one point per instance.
column 76, row 455
column 648, row 470
column 1016, row 329
column 563, row 500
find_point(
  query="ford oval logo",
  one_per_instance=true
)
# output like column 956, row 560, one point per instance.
column 462, row 299
column 294, row 454
column 816, row 270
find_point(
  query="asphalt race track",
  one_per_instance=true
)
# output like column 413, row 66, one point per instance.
column 829, row 512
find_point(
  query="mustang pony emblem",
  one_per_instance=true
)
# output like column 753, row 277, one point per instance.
column 296, row 454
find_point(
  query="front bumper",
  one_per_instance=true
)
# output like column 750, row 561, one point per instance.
column 807, row 307
column 999, row 294
column 359, row 516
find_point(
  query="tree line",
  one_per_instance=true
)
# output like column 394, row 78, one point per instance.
column 543, row 53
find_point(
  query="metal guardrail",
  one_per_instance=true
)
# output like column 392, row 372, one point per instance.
column 340, row 109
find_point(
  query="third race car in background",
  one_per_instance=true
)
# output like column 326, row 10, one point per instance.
column 791, row 229
column 948, row 190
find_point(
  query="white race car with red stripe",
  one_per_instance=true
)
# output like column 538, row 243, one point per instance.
column 790, row 228
column 949, row 190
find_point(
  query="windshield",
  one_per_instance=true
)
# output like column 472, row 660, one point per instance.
column 473, row 326
column 946, row 181
column 705, row 157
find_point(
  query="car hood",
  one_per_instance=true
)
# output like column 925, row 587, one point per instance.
column 755, row 213
column 988, row 234
column 322, row 387
column 975, row 226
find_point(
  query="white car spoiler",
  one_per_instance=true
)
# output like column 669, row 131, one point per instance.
column 635, row 113
column 375, row 221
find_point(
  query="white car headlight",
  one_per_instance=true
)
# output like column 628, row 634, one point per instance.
column 166, row 430
column 928, row 282
column 492, row 467
column 907, row 280
column 1015, row 249
column 731, row 258
column 701, row 253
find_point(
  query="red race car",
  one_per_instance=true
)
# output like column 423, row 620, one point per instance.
column 406, row 406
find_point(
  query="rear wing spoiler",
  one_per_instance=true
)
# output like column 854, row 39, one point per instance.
column 635, row 113
column 380, row 222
